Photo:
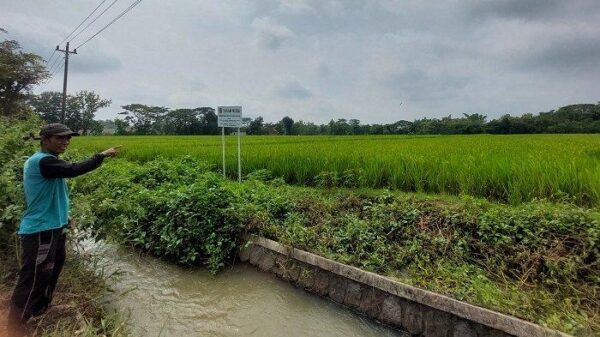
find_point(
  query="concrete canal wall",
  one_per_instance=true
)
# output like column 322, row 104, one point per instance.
column 418, row 311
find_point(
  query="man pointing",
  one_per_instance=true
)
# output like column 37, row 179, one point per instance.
column 46, row 216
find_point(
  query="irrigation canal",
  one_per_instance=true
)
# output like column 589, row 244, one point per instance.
column 163, row 299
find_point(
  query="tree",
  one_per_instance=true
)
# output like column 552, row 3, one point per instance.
column 404, row 127
column 95, row 128
column 324, row 129
column 355, row 128
column 272, row 129
column 376, row 129
column 255, row 127
column 48, row 105
column 80, row 109
column 339, row 127
column 182, row 122
column 108, row 126
column 209, row 121
column 19, row 72
column 311, row 129
column 144, row 119
column 87, row 104
column 287, row 124
column 121, row 127
column 305, row 128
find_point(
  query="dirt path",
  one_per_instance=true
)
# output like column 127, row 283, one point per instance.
column 4, row 298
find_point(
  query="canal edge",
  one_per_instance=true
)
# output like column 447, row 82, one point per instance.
column 417, row 311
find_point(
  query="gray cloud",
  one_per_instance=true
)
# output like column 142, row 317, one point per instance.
column 320, row 7
column 578, row 53
column 269, row 34
column 296, row 6
column 417, row 85
column 324, row 70
column 292, row 90
column 540, row 10
column 87, row 63
column 514, row 8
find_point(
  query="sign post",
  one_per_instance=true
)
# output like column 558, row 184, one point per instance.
column 239, row 156
column 231, row 117
column 223, row 144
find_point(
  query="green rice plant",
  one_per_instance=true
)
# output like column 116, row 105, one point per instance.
column 506, row 168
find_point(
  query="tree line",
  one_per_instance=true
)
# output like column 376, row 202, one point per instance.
column 20, row 72
column 578, row 118
column 145, row 120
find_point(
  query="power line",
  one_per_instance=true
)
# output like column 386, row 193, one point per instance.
column 135, row 3
column 63, row 40
column 49, row 61
column 51, row 55
column 54, row 63
column 67, row 51
column 58, row 69
column 48, row 81
column 96, row 18
column 57, row 63
column 81, row 23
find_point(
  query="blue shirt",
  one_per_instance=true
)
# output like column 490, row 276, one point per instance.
column 47, row 199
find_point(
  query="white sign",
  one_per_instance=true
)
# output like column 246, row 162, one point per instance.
column 229, row 116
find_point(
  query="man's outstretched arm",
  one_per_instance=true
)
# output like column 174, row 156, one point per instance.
column 52, row 167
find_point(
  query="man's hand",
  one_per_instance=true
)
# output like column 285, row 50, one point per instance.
column 113, row 151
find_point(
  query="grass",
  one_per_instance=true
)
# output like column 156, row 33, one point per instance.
column 79, row 294
column 513, row 168
column 550, row 308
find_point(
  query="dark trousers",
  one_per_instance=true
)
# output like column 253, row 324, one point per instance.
column 43, row 258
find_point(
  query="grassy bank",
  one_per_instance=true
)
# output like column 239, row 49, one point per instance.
column 537, row 261
column 78, row 306
column 509, row 168
column 79, row 294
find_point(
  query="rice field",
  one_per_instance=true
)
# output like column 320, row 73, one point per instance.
column 507, row 168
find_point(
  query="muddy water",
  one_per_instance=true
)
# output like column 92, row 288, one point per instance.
column 166, row 300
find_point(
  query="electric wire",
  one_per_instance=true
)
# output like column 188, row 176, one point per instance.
column 53, row 66
column 51, row 55
column 52, row 77
column 49, row 61
column 135, row 3
column 96, row 18
column 81, row 23
column 58, row 69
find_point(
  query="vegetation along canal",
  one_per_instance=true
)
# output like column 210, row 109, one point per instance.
column 163, row 299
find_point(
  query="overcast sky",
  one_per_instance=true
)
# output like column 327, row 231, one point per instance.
column 314, row 60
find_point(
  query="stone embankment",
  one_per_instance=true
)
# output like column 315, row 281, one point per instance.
column 417, row 311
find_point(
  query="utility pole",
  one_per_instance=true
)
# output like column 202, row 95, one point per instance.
column 64, row 99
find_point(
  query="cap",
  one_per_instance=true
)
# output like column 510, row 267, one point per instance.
column 57, row 129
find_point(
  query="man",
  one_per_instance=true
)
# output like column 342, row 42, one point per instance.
column 46, row 216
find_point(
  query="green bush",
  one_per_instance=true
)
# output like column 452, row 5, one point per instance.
column 177, row 210
column 260, row 175
column 15, row 147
